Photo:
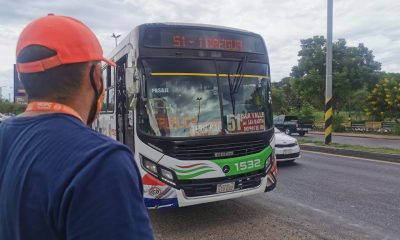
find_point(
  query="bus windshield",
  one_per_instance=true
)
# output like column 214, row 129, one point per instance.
column 187, row 98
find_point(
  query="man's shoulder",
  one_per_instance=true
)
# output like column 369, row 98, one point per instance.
column 104, row 141
column 76, row 136
column 88, row 136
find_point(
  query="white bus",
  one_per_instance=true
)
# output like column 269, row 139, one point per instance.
column 193, row 102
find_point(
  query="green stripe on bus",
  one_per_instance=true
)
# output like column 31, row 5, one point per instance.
column 190, row 170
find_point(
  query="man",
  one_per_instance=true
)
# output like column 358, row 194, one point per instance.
column 59, row 179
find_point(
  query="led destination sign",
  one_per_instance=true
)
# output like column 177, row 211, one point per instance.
column 182, row 41
column 203, row 39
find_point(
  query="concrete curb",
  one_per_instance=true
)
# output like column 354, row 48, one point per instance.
column 385, row 137
column 352, row 153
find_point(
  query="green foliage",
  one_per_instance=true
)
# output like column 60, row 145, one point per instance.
column 278, row 101
column 337, row 122
column 354, row 72
column 356, row 63
column 384, row 100
column 311, row 89
column 341, row 91
column 396, row 130
column 286, row 96
column 305, row 113
column 358, row 98
column 312, row 57
column 9, row 107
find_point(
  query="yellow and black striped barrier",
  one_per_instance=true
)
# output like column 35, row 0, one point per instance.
column 328, row 121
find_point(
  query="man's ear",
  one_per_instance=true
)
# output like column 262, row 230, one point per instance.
column 98, row 76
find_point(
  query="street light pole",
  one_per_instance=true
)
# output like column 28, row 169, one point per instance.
column 116, row 37
column 328, row 85
column 198, row 114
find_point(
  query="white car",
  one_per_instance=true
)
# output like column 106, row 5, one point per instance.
column 286, row 147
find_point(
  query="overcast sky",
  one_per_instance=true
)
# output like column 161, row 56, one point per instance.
column 281, row 23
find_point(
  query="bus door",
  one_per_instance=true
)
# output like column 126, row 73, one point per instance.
column 121, row 104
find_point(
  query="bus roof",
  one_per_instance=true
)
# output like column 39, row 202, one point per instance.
column 195, row 25
column 129, row 41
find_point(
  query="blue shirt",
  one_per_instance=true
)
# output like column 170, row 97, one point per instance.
column 59, row 179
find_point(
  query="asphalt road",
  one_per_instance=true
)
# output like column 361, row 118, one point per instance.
column 368, row 142
column 318, row 197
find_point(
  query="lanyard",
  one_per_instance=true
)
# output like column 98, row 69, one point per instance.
column 52, row 107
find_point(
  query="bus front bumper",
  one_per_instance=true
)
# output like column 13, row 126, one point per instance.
column 252, row 184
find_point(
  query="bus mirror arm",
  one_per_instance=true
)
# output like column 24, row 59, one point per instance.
column 131, row 80
column 133, row 103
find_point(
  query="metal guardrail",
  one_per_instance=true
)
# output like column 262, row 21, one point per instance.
column 390, row 125
column 361, row 126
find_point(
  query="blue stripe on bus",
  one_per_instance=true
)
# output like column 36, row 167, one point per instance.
column 159, row 203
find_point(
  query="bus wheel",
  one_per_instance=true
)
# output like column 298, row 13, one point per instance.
column 287, row 131
column 302, row 133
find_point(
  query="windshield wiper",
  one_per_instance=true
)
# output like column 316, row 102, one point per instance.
column 236, row 82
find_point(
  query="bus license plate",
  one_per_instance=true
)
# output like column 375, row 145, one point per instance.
column 225, row 187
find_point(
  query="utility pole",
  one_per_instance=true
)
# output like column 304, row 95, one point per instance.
column 116, row 37
column 328, row 85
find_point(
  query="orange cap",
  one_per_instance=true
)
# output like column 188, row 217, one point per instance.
column 72, row 41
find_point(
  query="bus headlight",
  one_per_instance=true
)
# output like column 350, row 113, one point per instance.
column 160, row 172
column 149, row 165
column 167, row 174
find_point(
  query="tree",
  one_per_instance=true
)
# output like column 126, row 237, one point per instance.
column 285, row 96
column 311, row 89
column 384, row 100
column 312, row 57
column 341, row 91
column 279, row 105
column 305, row 113
column 353, row 68
column 357, row 101
column 9, row 107
column 357, row 63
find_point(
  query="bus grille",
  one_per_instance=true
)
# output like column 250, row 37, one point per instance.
column 202, row 187
column 187, row 151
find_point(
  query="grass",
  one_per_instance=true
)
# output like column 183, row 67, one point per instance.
column 351, row 147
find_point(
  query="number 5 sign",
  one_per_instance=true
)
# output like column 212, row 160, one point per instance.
column 233, row 123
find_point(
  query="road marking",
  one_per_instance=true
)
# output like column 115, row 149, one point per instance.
column 358, row 158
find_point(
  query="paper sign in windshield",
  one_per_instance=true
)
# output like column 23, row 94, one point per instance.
column 246, row 122
column 205, row 128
